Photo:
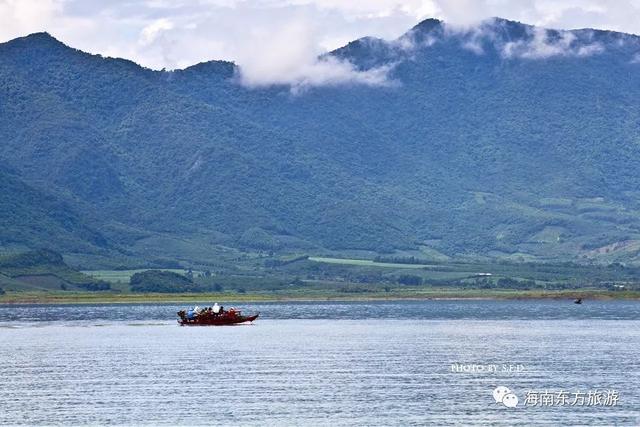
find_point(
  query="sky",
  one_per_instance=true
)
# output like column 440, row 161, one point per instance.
column 278, row 41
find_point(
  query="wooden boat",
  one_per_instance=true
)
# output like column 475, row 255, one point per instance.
column 209, row 318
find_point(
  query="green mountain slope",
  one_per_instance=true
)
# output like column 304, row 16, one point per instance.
column 31, row 217
column 504, row 141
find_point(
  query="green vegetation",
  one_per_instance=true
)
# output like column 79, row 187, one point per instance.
column 477, row 175
column 162, row 282
column 468, row 156
column 300, row 277
column 124, row 276
column 44, row 270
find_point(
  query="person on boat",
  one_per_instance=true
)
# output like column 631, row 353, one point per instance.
column 216, row 308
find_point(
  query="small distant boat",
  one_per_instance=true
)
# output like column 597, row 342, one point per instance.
column 578, row 301
column 213, row 316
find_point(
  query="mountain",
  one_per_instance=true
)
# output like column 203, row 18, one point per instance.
column 502, row 140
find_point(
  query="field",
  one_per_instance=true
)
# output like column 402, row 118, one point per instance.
column 367, row 263
column 123, row 276
column 44, row 277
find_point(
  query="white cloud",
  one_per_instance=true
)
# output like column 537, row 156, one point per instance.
column 18, row 17
column 290, row 55
column 545, row 44
column 589, row 50
column 150, row 33
column 327, row 71
column 472, row 37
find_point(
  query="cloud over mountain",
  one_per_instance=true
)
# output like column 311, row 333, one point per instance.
column 279, row 42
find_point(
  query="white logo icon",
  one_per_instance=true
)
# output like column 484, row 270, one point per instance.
column 505, row 396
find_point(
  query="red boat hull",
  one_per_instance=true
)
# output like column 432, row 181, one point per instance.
column 217, row 320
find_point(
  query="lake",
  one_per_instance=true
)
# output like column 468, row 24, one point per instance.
column 364, row 363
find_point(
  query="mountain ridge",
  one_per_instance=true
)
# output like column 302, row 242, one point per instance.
column 427, row 25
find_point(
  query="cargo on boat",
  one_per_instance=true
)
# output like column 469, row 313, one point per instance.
column 215, row 315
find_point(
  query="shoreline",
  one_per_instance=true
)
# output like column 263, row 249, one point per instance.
column 52, row 298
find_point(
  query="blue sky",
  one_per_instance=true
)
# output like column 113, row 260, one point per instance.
column 275, row 37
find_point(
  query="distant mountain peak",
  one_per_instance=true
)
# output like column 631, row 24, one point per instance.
column 504, row 21
column 39, row 41
column 226, row 68
column 41, row 37
column 425, row 31
column 428, row 24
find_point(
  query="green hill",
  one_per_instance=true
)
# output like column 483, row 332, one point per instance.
column 483, row 144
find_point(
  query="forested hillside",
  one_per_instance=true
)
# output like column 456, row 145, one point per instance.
column 502, row 140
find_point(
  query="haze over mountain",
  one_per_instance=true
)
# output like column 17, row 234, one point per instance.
column 501, row 140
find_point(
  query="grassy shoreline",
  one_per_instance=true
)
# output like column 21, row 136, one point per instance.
column 430, row 294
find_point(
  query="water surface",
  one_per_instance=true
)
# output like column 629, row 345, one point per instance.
column 387, row 363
